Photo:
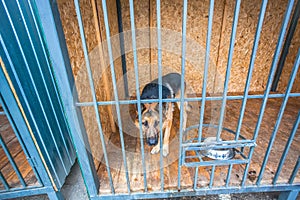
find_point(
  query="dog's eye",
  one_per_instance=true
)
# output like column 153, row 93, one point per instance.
column 145, row 123
column 156, row 123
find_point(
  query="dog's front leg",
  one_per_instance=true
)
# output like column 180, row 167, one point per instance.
column 168, row 129
column 156, row 148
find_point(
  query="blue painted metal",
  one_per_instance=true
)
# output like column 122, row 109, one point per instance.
column 204, row 83
column 280, row 115
column 199, row 192
column 55, row 43
column 35, row 83
column 45, row 185
column 21, row 142
column 90, row 76
column 288, row 195
column 286, row 46
column 12, row 162
column 286, row 149
column 190, row 99
column 269, row 82
column 33, row 101
column 65, row 81
column 229, row 64
column 183, row 55
column 137, row 88
column 251, row 66
column 159, row 61
column 295, row 171
column 114, row 81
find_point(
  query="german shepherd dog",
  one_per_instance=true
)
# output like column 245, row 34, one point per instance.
column 150, row 111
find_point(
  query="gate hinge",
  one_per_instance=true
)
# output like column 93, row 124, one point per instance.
column 32, row 161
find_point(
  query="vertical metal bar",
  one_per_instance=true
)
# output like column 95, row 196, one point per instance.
column 251, row 66
column 33, row 84
column 12, row 162
column 204, row 82
column 48, row 62
column 212, row 175
column 47, row 16
column 4, row 182
column 249, row 76
column 228, row 175
column 46, row 88
column 280, row 114
column 103, row 66
column 229, row 62
column 137, row 87
column 27, row 104
column 18, row 136
column 112, row 68
column 159, row 62
column 287, row 43
column 87, row 61
column 286, row 149
column 268, row 87
column 295, row 171
column 122, row 48
column 183, row 54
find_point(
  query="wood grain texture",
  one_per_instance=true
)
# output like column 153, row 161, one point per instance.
column 18, row 155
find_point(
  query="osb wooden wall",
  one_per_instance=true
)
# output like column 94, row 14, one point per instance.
column 171, row 12
column 171, row 20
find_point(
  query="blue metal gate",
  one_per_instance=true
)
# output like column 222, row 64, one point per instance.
column 30, row 100
column 189, row 150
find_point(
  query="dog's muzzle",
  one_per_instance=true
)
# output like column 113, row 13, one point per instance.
column 152, row 140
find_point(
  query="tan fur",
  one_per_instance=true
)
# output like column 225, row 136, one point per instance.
column 167, row 122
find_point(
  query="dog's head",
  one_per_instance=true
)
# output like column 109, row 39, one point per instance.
column 150, row 123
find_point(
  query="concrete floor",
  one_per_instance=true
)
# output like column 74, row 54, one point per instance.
column 74, row 189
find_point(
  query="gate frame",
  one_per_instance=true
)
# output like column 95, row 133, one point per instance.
column 14, row 114
column 54, row 37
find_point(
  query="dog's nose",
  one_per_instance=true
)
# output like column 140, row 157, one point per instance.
column 152, row 141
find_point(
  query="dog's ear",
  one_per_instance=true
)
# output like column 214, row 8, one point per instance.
column 136, row 121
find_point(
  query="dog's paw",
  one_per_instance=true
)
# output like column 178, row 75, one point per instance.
column 166, row 150
column 155, row 149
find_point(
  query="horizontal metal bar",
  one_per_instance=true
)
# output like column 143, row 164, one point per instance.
column 215, row 162
column 200, row 192
column 240, row 143
column 219, row 146
column 2, row 113
column 27, row 191
column 217, row 98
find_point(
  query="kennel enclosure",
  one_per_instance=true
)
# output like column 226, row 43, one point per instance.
column 227, row 52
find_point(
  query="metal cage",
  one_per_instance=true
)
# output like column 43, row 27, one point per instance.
column 244, row 147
